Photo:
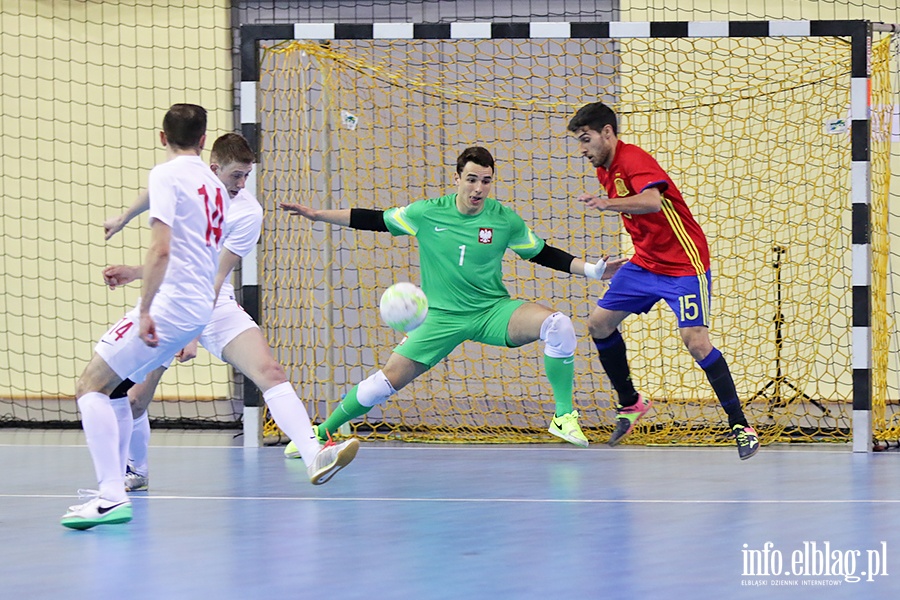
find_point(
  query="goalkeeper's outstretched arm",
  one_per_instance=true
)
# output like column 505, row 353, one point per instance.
column 340, row 216
column 358, row 218
column 560, row 260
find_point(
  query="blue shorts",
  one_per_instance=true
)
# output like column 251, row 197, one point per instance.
column 635, row 289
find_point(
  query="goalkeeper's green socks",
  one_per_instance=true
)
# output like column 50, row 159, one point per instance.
column 561, row 375
column 347, row 410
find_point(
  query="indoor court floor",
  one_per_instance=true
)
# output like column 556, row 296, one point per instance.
column 419, row 522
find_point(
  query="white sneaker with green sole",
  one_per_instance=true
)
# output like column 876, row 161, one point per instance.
column 98, row 511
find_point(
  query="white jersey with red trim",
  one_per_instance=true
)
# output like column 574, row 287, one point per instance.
column 243, row 225
column 188, row 197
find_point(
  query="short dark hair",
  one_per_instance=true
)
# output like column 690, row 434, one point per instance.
column 596, row 116
column 476, row 154
column 231, row 148
column 184, row 125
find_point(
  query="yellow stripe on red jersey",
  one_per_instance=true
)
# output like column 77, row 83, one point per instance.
column 668, row 242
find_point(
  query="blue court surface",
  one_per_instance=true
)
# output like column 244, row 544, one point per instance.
column 465, row 522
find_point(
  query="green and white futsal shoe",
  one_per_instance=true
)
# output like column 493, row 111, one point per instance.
column 98, row 511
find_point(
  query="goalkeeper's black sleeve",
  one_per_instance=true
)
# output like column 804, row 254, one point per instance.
column 553, row 258
column 367, row 218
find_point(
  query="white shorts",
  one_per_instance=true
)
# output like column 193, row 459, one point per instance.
column 129, row 357
column 228, row 321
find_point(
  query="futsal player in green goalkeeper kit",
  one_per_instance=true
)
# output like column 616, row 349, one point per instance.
column 462, row 238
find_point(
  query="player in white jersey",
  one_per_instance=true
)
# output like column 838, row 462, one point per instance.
column 231, row 335
column 186, row 216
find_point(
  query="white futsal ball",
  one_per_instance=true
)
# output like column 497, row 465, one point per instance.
column 403, row 306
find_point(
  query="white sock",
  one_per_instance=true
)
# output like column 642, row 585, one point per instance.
column 122, row 408
column 291, row 416
column 140, row 444
column 101, row 430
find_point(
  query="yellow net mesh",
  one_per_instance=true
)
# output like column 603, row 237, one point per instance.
column 885, row 73
column 753, row 131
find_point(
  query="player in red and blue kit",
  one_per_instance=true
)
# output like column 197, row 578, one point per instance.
column 670, row 262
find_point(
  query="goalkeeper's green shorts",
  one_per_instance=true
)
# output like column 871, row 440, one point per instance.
column 443, row 331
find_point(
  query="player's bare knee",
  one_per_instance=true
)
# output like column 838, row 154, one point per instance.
column 374, row 389
column 697, row 341
column 700, row 351
column 558, row 335
column 139, row 406
column 82, row 387
column 599, row 328
column 270, row 375
column 136, row 409
column 140, row 398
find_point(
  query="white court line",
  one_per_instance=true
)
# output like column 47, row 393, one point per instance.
column 383, row 446
column 468, row 500
column 151, row 445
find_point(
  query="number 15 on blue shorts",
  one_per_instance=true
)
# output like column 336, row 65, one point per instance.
column 635, row 289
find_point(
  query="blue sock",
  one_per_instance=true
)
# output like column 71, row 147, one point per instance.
column 614, row 359
column 719, row 376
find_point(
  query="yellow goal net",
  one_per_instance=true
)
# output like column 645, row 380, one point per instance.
column 753, row 130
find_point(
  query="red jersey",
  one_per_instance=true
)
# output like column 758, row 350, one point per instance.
column 668, row 242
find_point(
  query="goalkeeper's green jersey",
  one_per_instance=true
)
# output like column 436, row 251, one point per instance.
column 461, row 256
